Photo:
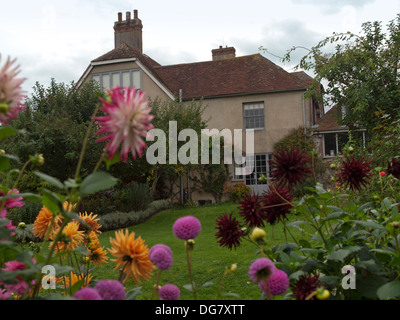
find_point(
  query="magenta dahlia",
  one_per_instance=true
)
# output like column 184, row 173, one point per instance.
column 289, row 167
column 169, row 292
column 161, row 257
column 186, row 228
column 278, row 283
column 354, row 172
column 229, row 232
column 87, row 294
column 11, row 93
column 305, row 286
column 250, row 209
column 277, row 204
column 110, row 290
column 126, row 122
column 261, row 269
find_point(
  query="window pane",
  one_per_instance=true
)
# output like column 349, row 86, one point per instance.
column 115, row 80
column 330, row 144
column 126, row 79
column 343, row 138
column 253, row 114
column 136, row 79
column 106, row 81
column 96, row 78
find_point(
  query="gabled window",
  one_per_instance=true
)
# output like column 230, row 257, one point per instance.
column 125, row 78
column 335, row 142
column 254, row 115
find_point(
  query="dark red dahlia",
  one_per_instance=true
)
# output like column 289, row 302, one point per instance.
column 355, row 172
column 250, row 209
column 305, row 286
column 229, row 231
column 289, row 167
column 394, row 168
column 277, row 204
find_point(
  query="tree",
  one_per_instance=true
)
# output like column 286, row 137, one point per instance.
column 362, row 73
column 55, row 123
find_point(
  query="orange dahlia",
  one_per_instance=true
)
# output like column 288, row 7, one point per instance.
column 98, row 256
column 73, row 235
column 43, row 222
column 132, row 255
column 74, row 278
column 91, row 220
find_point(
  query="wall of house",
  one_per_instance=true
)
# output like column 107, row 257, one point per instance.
column 283, row 112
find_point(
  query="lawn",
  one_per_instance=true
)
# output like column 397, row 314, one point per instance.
column 209, row 259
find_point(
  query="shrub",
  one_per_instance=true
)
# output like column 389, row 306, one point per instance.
column 236, row 190
column 26, row 214
column 133, row 197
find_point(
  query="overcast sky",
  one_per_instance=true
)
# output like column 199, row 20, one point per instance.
column 58, row 39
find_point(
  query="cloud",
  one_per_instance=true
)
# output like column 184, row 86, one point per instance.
column 278, row 38
column 333, row 7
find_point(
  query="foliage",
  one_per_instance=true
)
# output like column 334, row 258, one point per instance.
column 133, row 197
column 236, row 190
column 362, row 72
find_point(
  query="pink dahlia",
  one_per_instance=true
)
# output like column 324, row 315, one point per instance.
column 110, row 290
column 20, row 286
column 161, row 257
column 12, row 202
column 169, row 292
column 87, row 294
column 186, row 228
column 261, row 269
column 126, row 122
column 11, row 93
column 278, row 283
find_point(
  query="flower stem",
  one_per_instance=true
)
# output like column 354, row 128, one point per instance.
column 188, row 258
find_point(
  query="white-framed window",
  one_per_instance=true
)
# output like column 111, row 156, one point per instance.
column 124, row 78
column 261, row 167
column 254, row 115
column 334, row 142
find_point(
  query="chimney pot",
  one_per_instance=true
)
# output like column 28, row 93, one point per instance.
column 128, row 16
column 119, row 16
column 223, row 53
column 129, row 31
column 135, row 14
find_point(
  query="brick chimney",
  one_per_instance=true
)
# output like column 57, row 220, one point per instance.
column 223, row 53
column 129, row 31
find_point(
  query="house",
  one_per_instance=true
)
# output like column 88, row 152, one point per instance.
column 239, row 92
column 331, row 137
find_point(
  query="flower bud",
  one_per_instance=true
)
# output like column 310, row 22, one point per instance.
column 4, row 108
column 333, row 165
column 323, row 294
column 262, row 178
column 189, row 244
column 350, row 149
column 258, row 235
column 22, row 225
column 232, row 268
column 37, row 159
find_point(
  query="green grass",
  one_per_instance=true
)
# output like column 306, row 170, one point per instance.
column 209, row 260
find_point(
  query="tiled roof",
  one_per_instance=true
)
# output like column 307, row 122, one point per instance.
column 250, row 74
column 328, row 121
column 241, row 75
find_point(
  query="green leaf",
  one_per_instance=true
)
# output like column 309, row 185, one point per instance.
column 389, row 290
column 284, row 257
column 50, row 180
column 133, row 293
column 96, row 182
column 207, row 284
column 188, row 287
column 231, row 294
column 335, row 215
column 341, row 254
column 370, row 224
column 52, row 201
column 113, row 160
column 6, row 132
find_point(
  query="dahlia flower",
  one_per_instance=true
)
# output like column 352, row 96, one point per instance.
column 278, row 283
column 394, row 168
column 11, row 93
column 110, row 290
column 186, row 228
column 161, row 258
column 305, row 286
column 229, row 231
column 169, row 292
column 261, row 269
column 354, row 172
column 132, row 255
column 250, row 209
column 126, row 122
column 87, row 294
column 275, row 206
column 289, row 167
column 74, row 235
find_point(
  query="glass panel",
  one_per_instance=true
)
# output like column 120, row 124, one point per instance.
column 96, row 78
column 115, row 80
column 126, row 79
column 330, row 144
column 106, row 81
column 136, row 79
